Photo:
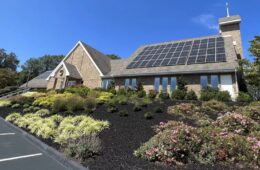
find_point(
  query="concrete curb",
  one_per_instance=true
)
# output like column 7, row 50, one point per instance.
column 51, row 152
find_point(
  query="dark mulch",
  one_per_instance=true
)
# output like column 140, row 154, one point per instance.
column 125, row 135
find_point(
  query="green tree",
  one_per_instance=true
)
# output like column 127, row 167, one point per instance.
column 113, row 56
column 251, row 70
column 35, row 66
column 8, row 61
column 7, row 77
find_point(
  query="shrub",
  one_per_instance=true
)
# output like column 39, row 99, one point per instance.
column 141, row 94
column 26, row 110
column 223, row 96
column 5, row 103
column 244, row 97
column 121, row 91
column 26, row 105
column 104, row 97
column 121, row 99
column 15, row 106
column 178, row 94
column 43, row 112
column 13, row 116
column 26, row 120
column 80, row 90
column 148, row 115
column 252, row 111
column 152, row 94
column 90, row 104
column 181, row 109
column 21, row 100
column 112, row 109
column 59, row 105
column 191, row 95
column 214, row 105
column 158, row 109
column 123, row 113
column 84, row 147
column 74, row 103
column 72, row 128
column 164, row 95
column 145, row 102
column 137, row 108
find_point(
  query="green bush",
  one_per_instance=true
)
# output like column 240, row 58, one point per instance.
column 152, row 94
column 5, row 103
column 15, row 106
column 43, row 112
column 191, row 95
column 164, row 95
column 223, row 96
column 244, row 97
column 85, row 147
column 26, row 105
column 145, row 102
column 214, row 105
column 178, row 94
column 137, row 108
column 12, row 117
column 148, row 115
column 123, row 113
column 104, row 97
column 208, row 94
column 90, row 104
column 75, row 103
column 121, row 91
column 141, row 94
column 21, row 100
column 80, row 90
column 122, row 99
column 59, row 105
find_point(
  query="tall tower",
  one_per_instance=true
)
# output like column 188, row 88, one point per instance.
column 230, row 26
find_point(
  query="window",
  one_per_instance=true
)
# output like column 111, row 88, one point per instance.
column 173, row 83
column 127, row 82
column 156, row 84
column 106, row 83
column 214, row 81
column 134, row 85
column 164, row 83
column 203, row 81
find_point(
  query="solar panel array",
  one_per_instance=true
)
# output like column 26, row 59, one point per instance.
column 209, row 50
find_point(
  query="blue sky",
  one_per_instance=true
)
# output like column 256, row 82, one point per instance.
column 33, row 28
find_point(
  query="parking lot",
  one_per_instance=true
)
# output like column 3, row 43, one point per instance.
column 18, row 153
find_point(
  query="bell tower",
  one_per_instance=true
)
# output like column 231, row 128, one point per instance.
column 230, row 26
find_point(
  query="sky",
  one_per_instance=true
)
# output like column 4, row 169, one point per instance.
column 33, row 28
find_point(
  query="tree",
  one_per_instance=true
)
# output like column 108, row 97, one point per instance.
column 113, row 56
column 251, row 70
column 35, row 66
column 8, row 61
column 7, row 77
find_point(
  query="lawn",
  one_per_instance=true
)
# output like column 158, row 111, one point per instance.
column 132, row 130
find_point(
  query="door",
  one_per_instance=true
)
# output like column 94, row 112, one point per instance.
column 227, row 85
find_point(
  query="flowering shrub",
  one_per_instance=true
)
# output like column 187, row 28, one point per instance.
column 252, row 111
column 176, row 143
column 214, row 105
column 237, row 123
column 181, row 109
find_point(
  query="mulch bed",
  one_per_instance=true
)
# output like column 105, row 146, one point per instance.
column 125, row 135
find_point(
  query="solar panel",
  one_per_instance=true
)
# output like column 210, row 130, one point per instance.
column 200, row 51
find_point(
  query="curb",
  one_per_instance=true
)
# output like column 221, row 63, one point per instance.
column 51, row 152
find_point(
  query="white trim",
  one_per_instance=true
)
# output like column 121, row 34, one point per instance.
column 5, row 134
column 20, row 157
column 78, row 43
column 230, row 22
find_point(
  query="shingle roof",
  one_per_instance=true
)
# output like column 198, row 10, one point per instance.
column 231, row 19
column 39, row 81
column 118, row 67
column 73, row 71
column 101, row 60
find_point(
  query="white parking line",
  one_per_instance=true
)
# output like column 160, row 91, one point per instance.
column 20, row 157
column 4, row 134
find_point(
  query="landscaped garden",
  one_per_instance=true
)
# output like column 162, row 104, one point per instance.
column 127, row 129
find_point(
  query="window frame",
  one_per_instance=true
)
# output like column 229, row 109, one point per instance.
column 217, row 81
column 165, row 83
column 127, row 83
column 201, row 81
column 157, row 84
column 134, row 83
column 173, row 79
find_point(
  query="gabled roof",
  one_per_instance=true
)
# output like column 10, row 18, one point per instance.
column 72, row 71
column 98, row 59
column 119, row 67
column 39, row 81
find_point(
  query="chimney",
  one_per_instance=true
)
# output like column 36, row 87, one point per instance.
column 230, row 26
